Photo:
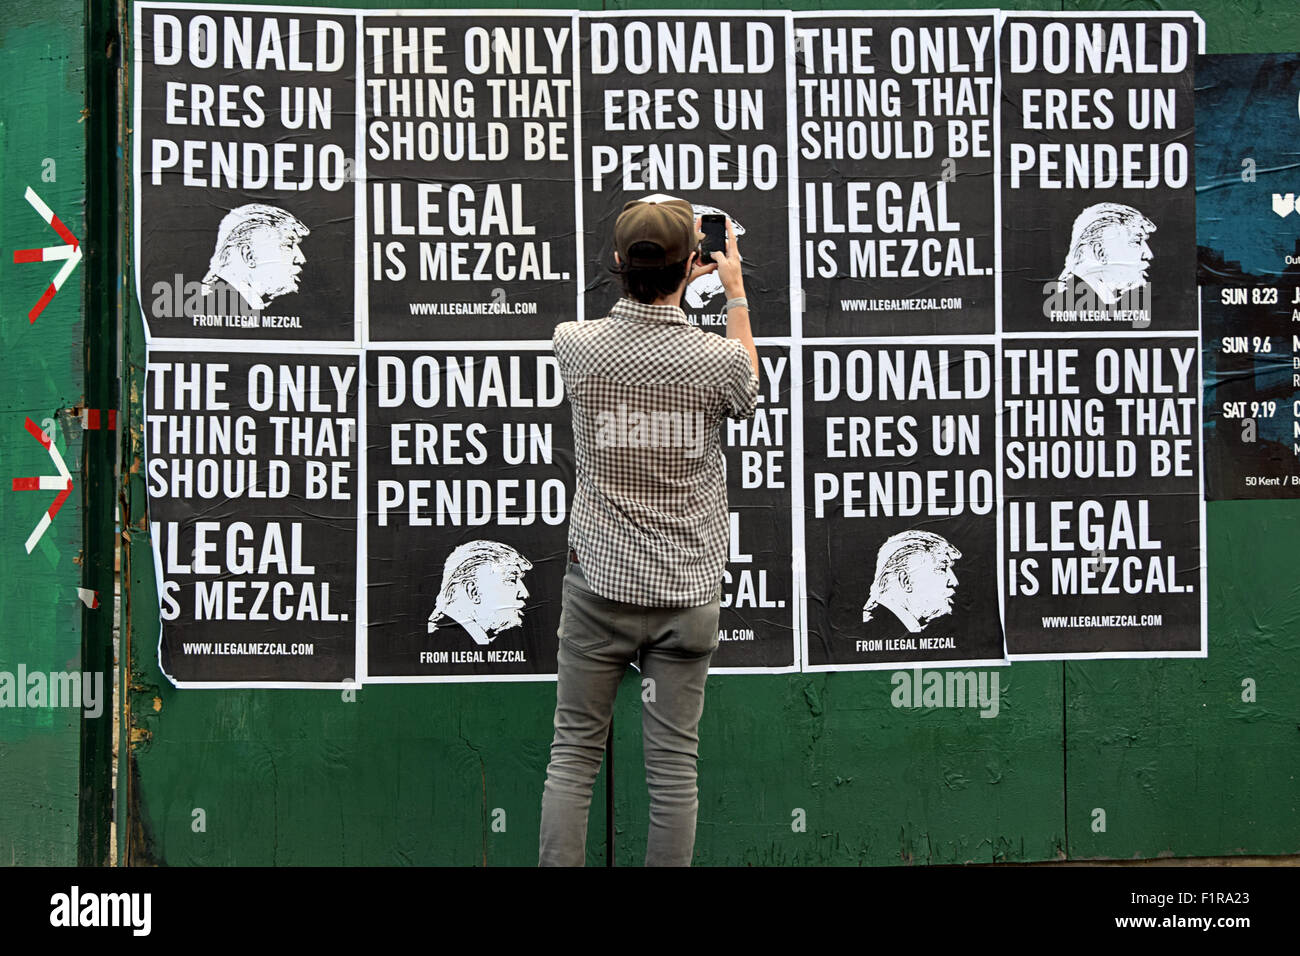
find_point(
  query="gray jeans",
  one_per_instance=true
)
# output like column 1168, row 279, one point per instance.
column 598, row 639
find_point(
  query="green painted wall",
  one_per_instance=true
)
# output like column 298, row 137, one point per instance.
column 412, row 774
column 42, row 73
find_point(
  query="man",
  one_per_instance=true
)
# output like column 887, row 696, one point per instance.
column 648, row 530
column 914, row 581
column 1109, row 250
column 257, row 253
column 482, row 591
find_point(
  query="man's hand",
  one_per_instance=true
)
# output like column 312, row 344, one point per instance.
column 698, row 269
column 698, row 266
column 728, row 266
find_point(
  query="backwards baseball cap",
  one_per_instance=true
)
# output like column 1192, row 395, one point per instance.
column 664, row 224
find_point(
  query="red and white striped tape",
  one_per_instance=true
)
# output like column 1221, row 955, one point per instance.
column 48, row 254
column 62, row 482
column 71, row 253
column 93, row 419
column 46, row 213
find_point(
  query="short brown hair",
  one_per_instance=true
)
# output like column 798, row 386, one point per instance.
column 647, row 284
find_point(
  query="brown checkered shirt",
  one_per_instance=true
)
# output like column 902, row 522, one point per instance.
column 649, row 392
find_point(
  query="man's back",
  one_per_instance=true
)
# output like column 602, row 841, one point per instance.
column 648, row 391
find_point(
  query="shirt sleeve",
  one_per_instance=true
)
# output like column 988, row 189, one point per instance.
column 562, row 346
column 740, row 387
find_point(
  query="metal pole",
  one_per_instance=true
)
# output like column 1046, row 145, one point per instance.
column 99, row 478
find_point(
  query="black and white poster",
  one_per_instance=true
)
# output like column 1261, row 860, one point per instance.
column 1098, row 177
column 693, row 107
column 470, row 162
column 245, row 192
column 1249, row 271
column 895, row 150
column 757, row 622
column 1103, row 517
column 969, row 247
column 251, row 471
column 900, row 506
column 470, row 474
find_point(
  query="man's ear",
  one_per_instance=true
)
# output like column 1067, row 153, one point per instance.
column 246, row 253
column 617, row 260
column 471, row 589
column 905, row 580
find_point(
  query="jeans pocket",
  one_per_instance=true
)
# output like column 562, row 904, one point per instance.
column 697, row 628
column 586, row 619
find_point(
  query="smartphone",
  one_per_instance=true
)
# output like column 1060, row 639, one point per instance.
column 714, row 227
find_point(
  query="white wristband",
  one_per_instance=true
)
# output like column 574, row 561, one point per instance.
column 738, row 303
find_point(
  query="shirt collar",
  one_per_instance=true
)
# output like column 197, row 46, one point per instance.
column 629, row 308
column 905, row 617
column 472, row 627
